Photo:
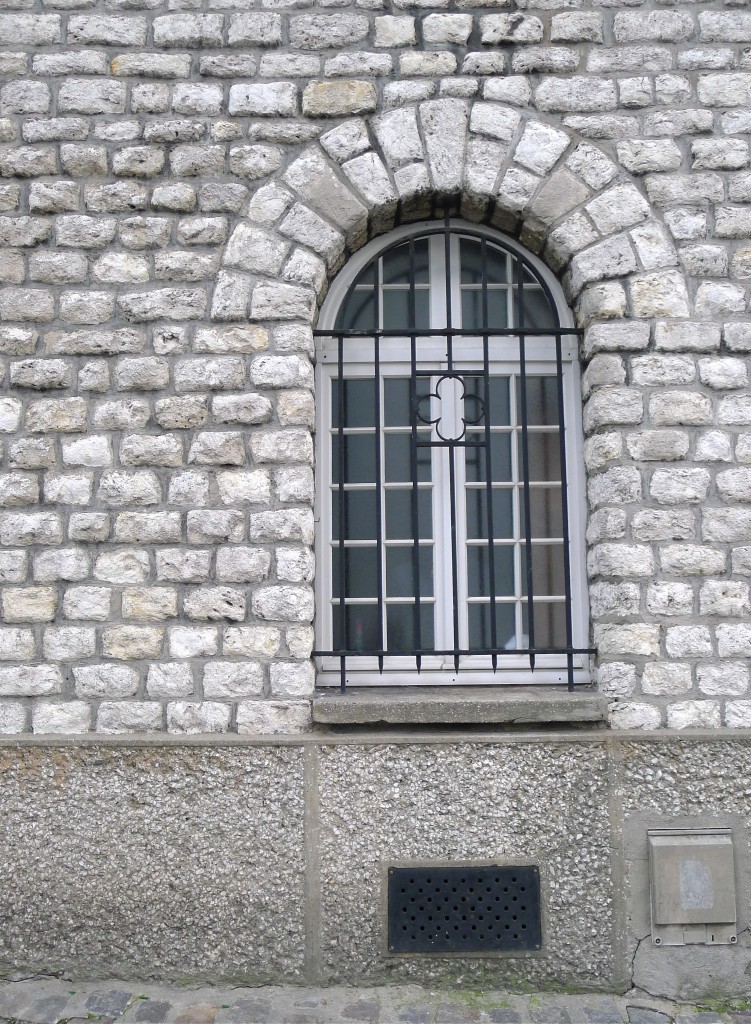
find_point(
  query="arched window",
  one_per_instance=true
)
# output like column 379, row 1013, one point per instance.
column 448, row 451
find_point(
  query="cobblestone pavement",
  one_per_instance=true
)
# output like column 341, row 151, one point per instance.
column 51, row 1001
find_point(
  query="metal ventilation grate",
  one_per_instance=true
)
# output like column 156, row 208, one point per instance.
column 450, row 909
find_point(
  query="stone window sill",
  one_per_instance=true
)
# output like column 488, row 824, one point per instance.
column 454, row 705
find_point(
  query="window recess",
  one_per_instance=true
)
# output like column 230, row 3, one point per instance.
column 448, row 447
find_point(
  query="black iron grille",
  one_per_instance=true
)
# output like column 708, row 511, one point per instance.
column 449, row 909
column 505, row 590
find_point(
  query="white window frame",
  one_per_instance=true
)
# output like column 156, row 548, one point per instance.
column 436, row 670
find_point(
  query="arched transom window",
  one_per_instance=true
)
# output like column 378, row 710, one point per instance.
column 448, row 466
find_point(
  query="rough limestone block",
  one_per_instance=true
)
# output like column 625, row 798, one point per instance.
column 189, row 717
column 30, row 681
column 233, row 680
column 634, row 715
column 510, row 28
column 337, row 99
column 666, row 680
column 28, row 604
column 128, row 716
column 694, row 714
column 60, row 718
column 270, row 717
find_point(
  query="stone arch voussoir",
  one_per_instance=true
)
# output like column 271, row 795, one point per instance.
column 566, row 199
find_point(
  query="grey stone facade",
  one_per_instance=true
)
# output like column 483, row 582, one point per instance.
column 180, row 186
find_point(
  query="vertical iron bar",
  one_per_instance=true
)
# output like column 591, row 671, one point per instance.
column 447, row 270
column 343, row 631
column 378, row 442
column 488, row 454
column 451, row 448
column 564, row 510
column 454, row 565
column 525, row 462
column 416, row 619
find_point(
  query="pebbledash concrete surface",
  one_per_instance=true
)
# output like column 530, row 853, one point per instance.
column 181, row 183
column 256, row 863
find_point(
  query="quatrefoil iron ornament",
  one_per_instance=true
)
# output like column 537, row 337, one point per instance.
column 450, row 392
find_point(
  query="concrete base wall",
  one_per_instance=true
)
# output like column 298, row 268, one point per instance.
column 263, row 861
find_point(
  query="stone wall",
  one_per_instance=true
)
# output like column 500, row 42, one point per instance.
column 179, row 187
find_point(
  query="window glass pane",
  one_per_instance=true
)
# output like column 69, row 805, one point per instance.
column 400, row 577
column 358, row 312
column 401, row 631
column 550, row 624
column 359, row 514
column 398, row 465
column 500, row 408
column 477, row 520
column 544, row 452
column 479, row 626
column 399, row 508
column 396, row 399
column 546, row 519
column 542, row 401
column 396, row 264
column 500, row 455
column 470, row 256
column 547, row 570
column 359, row 402
column 359, row 458
column 537, row 312
column 361, row 623
column 399, row 514
column 472, row 318
column 396, row 309
column 367, row 276
column 360, row 572
column 478, row 570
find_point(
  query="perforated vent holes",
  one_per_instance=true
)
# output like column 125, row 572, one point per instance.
column 449, row 909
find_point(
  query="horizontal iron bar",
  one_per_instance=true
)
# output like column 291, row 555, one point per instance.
column 426, row 653
column 450, row 444
column 501, row 332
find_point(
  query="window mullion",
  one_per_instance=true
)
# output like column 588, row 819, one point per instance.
column 379, row 492
column 416, row 609
column 458, row 453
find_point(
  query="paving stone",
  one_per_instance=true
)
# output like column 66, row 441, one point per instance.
column 549, row 1013
column 48, row 1010
column 503, row 1015
column 113, row 1001
column 604, row 1013
column 447, row 1014
column 699, row 1018
column 298, row 1017
column 85, row 1020
column 363, row 1009
column 197, row 1015
column 148, row 1011
column 639, row 1015
column 243, row 1010
column 414, row 1015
